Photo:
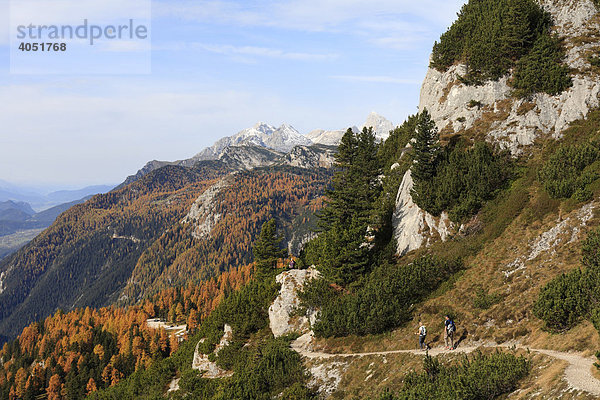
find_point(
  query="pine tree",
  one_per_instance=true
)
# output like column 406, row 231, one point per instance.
column 341, row 196
column 517, row 35
column 266, row 249
column 342, row 250
column 426, row 149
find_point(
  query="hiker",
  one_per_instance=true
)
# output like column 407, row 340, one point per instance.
column 422, row 336
column 292, row 264
column 449, row 330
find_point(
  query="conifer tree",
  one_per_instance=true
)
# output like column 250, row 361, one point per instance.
column 342, row 250
column 517, row 36
column 425, row 147
column 266, row 249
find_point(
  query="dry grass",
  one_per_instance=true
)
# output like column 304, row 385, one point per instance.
column 447, row 90
column 368, row 377
column 491, row 115
column 525, row 107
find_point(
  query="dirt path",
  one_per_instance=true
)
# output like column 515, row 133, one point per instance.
column 578, row 373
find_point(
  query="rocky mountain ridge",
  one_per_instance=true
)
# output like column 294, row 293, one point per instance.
column 263, row 145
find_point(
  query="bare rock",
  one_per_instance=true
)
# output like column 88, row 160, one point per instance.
column 203, row 212
column 412, row 226
column 201, row 361
column 281, row 318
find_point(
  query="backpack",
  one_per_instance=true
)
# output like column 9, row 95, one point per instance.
column 423, row 331
column 451, row 327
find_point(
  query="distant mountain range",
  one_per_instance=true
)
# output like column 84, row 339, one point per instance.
column 109, row 249
column 264, row 144
column 39, row 200
column 19, row 223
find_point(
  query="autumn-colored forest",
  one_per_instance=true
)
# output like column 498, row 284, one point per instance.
column 68, row 355
column 129, row 255
column 131, row 243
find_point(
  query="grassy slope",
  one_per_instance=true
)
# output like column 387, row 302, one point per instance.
column 511, row 224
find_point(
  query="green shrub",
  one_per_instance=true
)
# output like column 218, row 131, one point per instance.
column 590, row 250
column 562, row 302
column 478, row 377
column 382, row 302
column 594, row 60
column 583, row 194
column 541, row 70
column 564, row 173
column 464, row 179
column 488, row 35
column 484, row 300
column 595, row 318
column 570, row 297
column 492, row 36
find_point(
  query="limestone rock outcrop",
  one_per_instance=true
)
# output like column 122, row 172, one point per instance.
column 509, row 121
column 201, row 362
column 281, row 313
column 414, row 227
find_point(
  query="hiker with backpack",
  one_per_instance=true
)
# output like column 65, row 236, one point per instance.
column 422, row 336
column 449, row 330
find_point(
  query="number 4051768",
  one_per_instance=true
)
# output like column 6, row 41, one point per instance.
column 43, row 47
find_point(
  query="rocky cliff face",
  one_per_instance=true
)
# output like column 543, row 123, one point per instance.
column 412, row 226
column 516, row 123
column 203, row 214
column 491, row 110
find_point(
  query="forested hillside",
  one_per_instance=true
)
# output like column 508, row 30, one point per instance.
column 131, row 242
column 69, row 355
column 290, row 195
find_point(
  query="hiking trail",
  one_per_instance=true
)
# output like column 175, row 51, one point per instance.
column 578, row 373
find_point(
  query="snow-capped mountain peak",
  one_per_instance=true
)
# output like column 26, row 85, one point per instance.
column 285, row 138
column 381, row 126
column 272, row 139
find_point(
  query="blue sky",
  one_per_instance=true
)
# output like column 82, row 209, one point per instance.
column 218, row 67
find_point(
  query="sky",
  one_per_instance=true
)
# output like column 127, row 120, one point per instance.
column 217, row 67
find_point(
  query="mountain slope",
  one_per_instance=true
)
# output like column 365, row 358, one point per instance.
column 81, row 259
column 132, row 242
column 18, row 227
column 220, row 228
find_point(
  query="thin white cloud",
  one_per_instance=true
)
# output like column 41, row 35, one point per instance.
column 254, row 51
column 124, row 46
column 377, row 79
column 375, row 20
